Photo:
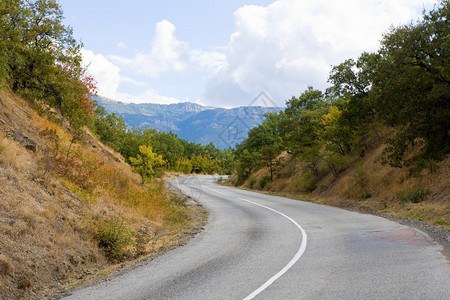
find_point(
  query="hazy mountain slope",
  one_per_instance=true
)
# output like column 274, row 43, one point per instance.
column 193, row 122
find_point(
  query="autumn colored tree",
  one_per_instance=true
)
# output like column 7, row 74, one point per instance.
column 146, row 163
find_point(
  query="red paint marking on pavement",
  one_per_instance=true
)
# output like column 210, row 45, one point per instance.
column 407, row 235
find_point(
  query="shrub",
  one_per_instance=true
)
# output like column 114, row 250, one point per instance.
column 366, row 195
column 263, row 181
column 415, row 196
column 113, row 236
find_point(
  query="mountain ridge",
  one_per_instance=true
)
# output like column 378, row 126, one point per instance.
column 224, row 127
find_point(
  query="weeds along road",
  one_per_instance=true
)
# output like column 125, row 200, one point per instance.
column 266, row 247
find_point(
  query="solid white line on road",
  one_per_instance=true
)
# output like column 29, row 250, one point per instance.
column 296, row 257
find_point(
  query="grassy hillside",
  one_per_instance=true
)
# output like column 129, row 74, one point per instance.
column 365, row 185
column 71, row 209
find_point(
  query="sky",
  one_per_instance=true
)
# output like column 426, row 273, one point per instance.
column 226, row 53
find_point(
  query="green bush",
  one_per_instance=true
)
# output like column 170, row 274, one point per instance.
column 366, row 195
column 263, row 181
column 415, row 196
column 113, row 236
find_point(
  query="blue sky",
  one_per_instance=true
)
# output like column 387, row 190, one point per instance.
column 224, row 53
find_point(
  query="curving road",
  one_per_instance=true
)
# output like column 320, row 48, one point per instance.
column 266, row 247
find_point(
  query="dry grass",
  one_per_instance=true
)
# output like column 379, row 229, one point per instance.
column 369, row 186
column 12, row 154
column 51, row 205
column 6, row 268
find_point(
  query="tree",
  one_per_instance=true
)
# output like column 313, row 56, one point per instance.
column 226, row 160
column 110, row 128
column 146, row 162
column 265, row 140
column 169, row 146
column 301, row 122
column 246, row 163
column 41, row 60
column 184, row 165
column 351, row 93
column 412, row 87
column 334, row 133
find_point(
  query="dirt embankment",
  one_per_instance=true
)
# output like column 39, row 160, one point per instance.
column 70, row 213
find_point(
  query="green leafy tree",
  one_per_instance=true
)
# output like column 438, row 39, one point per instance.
column 41, row 61
column 334, row 133
column 412, row 87
column 264, row 139
column 301, row 123
column 226, row 159
column 169, row 146
column 246, row 163
column 110, row 128
column 351, row 93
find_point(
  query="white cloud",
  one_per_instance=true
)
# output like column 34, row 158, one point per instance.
column 280, row 49
column 105, row 73
column 150, row 96
column 133, row 81
column 290, row 44
column 208, row 60
column 168, row 54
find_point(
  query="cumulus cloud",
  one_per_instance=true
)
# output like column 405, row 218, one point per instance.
column 105, row 73
column 290, row 44
column 168, row 54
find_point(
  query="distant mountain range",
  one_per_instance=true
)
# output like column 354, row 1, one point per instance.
column 190, row 121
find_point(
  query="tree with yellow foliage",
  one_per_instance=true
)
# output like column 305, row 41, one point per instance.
column 146, row 163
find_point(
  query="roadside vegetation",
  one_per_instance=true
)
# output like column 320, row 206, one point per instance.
column 81, row 192
column 376, row 140
column 71, row 207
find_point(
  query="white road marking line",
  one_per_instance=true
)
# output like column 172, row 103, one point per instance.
column 296, row 257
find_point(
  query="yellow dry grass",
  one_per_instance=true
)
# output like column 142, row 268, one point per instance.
column 369, row 186
column 51, row 204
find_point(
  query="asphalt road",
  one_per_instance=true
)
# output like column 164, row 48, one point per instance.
column 266, row 247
